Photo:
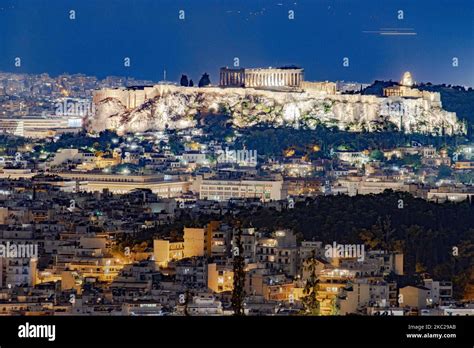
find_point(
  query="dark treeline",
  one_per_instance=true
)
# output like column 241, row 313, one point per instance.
column 426, row 232
column 273, row 141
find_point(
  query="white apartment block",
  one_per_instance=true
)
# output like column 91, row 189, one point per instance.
column 223, row 190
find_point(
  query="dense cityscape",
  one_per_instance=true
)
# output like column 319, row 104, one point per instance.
column 210, row 213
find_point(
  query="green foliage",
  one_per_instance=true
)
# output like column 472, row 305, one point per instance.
column 205, row 80
column 238, row 291
column 175, row 144
column 273, row 141
column 466, row 177
column 377, row 155
column 424, row 231
column 10, row 143
column 444, row 172
column 217, row 125
column 184, row 81
column 407, row 160
column 81, row 140
column 310, row 301
column 327, row 107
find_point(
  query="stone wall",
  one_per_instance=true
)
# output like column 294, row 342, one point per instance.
column 173, row 106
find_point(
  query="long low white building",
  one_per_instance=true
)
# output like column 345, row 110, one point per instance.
column 115, row 183
column 225, row 189
column 361, row 186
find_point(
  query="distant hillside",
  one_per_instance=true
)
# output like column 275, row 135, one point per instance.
column 377, row 87
column 454, row 98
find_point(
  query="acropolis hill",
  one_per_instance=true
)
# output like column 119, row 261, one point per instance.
column 275, row 97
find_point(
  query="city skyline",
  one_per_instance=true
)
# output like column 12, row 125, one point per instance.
column 378, row 44
column 166, row 163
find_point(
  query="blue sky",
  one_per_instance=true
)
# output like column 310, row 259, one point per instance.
column 258, row 32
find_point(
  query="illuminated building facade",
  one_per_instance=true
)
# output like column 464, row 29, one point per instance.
column 290, row 76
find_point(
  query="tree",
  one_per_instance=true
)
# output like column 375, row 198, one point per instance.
column 377, row 155
column 334, row 307
column 191, row 83
column 310, row 301
column 184, row 81
column 444, row 172
column 187, row 297
column 238, row 292
column 205, row 80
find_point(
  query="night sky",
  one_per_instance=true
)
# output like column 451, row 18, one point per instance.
column 258, row 32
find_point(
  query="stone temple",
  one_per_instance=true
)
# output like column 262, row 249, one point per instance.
column 286, row 77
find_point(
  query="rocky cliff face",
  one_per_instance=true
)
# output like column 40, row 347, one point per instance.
column 175, row 108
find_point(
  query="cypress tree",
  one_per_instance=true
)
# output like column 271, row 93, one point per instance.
column 238, row 292
column 310, row 301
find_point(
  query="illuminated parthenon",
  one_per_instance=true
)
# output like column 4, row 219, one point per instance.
column 262, row 77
